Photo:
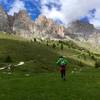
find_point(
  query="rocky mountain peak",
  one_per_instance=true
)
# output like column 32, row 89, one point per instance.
column 82, row 24
column 4, row 23
column 22, row 25
column 22, row 15
column 81, row 28
column 41, row 20
column 2, row 12
column 1, row 9
column 47, row 27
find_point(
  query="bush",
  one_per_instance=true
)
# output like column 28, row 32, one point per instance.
column 81, row 64
column 89, row 53
column 93, row 57
column 35, row 40
column 97, row 64
column 62, row 47
column 60, row 41
column 54, row 45
column 8, row 59
column 47, row 44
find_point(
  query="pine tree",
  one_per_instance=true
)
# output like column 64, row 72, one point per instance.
column 62, row 47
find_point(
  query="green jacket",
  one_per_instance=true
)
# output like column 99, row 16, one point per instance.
column 62, row 61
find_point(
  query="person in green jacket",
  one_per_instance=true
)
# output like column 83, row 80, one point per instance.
column 62, row 63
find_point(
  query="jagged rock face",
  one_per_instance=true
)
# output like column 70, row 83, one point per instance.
column 47, row 28
column 94, row 39
column 22, row 24
column 4, row 24
column 11, row 21
column 81, row 29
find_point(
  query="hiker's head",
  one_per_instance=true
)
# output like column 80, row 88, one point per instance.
column 61, row 57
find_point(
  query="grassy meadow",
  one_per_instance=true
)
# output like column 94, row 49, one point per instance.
column 39, row 78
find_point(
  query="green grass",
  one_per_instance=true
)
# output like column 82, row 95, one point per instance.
column 11, row 37
column 84, row 85
column 27, row 51
column 40, row 57
column 39, row 79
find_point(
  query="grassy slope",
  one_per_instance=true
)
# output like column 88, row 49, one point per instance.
column 34, row 54
column 84, row 85
column 94, row 48
column 39, row 56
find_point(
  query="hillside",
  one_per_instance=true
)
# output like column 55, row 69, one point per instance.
column 36, row 54
column 49, row 50
column 42, row 55
column 39, row 77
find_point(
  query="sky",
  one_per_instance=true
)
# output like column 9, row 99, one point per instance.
column 64, row 11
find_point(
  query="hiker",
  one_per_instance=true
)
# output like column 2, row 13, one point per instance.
column 62, row 63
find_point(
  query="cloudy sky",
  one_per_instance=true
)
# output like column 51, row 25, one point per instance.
column 65, row 11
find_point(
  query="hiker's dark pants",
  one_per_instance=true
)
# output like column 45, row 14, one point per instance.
column 63, row 71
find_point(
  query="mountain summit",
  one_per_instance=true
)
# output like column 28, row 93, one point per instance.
column 4, row 23
column 21, row 24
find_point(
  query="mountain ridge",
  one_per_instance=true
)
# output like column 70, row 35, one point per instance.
column 22, row 25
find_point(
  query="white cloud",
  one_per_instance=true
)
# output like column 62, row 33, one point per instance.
column 71, row 10
column 54, row 14
column 16, row 7
column 96, row 19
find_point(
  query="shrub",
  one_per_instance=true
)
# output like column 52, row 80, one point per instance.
column 54, row 45
column 60, row 41
column 81, row 64
column 62, row 47
column 84, row 56
column 97, row 64
column 89, row 53
column 35, row 40
column 93, row 57
column 8, row 59
column 47, row 44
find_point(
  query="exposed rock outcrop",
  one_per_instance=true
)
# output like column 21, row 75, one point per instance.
column 94, row 39
column 4, row 23
column 47, row 28
column 81, row 29
column 21, row 24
